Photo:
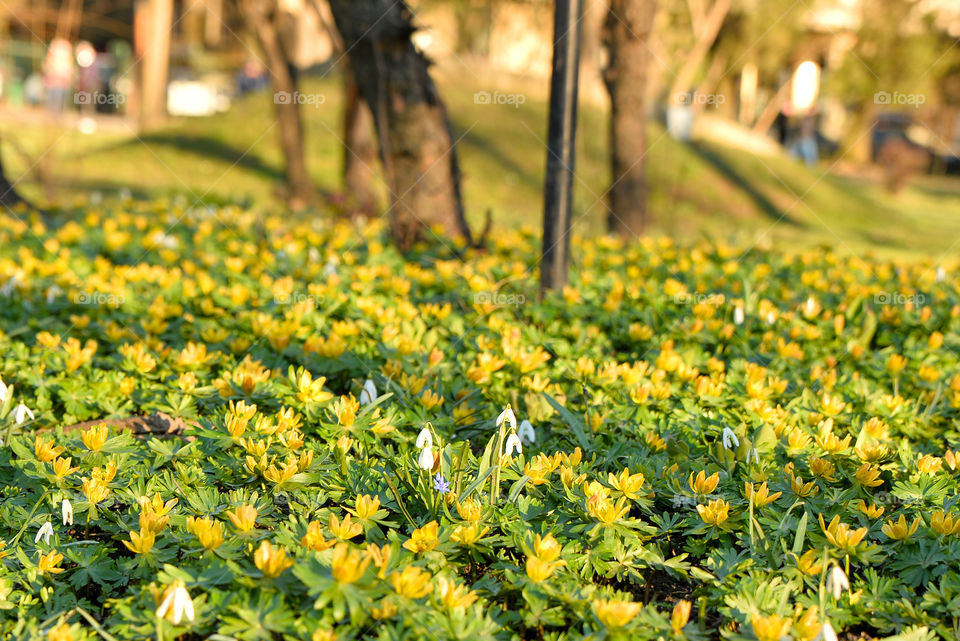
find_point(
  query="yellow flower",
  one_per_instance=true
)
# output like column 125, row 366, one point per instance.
column 95, row 490
column 770, row 628
column 60, row 632
column 95, row 437
column 806, row 626
column 703, row 484
column 207, row 531
column 871, row 511
column 627, row 483
column 615, row 614
column 141, row 542
column 680, row 615
column 469, row 510
column 809, row 563
column 423, row 539
column 412, row 582
column 540, row 570
column 944, row 524
column 45, row 450
column 314, row 540
column 929, row 464
column 840, row 535
column 867, row 476
column 605, row 511
column 366, row 506
column 822, row 468
column 430, row 400
column 870, row 452
column 895, row 363
column 48, row 563
column 348, row 565
column 761, row 496
column 547, row 547
column 899, row 530
column 715, row 513
column 244, row 518
column 345, row 529
column 468, row 534
column 455, row 596
column 61, row 467
column 380, row 557
column 271, row 561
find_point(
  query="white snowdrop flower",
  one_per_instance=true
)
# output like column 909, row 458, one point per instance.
column 526, row 432
column 425, row 460
column 771, row 318
column 738, row 315
column 177, row 604
column 513, row 444
column 837, row 581
column 810, row 306
column 66, row 510
column 424, row 438
column 941, row 274
column 45, row 532
column 330, row 269
column 508, row 416
column 52, row 292
column 827, row 633
column 369, row 393
column 6, row 391
column 730, row 439
column 752, row 453
column 20, row 414
column 8, row 287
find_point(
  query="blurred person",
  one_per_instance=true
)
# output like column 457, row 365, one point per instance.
column 58, row 75
column 89, row 85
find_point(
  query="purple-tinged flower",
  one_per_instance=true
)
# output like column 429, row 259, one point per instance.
column 440, row 484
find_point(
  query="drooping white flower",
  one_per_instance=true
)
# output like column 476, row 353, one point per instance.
column 6, row 391
column 424, row 438
column 827, row 633
column 177, row 603
column 810, row 306
column 20, row 414
column 526, row 432
column 52, row 292
column 369, row 393
column 771, row 318
column 730, row 439
column 66, row 510
column 941, row 274
column 508, row 416
column 837, row 581
column 425, row 460
column 752, row 453
column 330, row 269
column 513, row 444
column 738, row 315
column 45, row 532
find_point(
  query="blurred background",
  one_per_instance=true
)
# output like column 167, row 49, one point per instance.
column 765, row 121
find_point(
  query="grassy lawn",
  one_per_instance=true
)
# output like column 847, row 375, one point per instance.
column 701, row 189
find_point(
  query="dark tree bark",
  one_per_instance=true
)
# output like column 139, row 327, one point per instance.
column 627, row 33
column 261, row 20
column 359, row 150
column 415, row 138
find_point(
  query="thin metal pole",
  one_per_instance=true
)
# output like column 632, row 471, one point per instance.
column 561, row 141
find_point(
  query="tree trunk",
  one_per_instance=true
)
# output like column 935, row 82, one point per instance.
column 260, row 17
column 152, row 45
column 359, row 150
column 627, row 34
column 416, row 142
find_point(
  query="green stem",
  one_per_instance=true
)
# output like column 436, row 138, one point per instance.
column 26, row 521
